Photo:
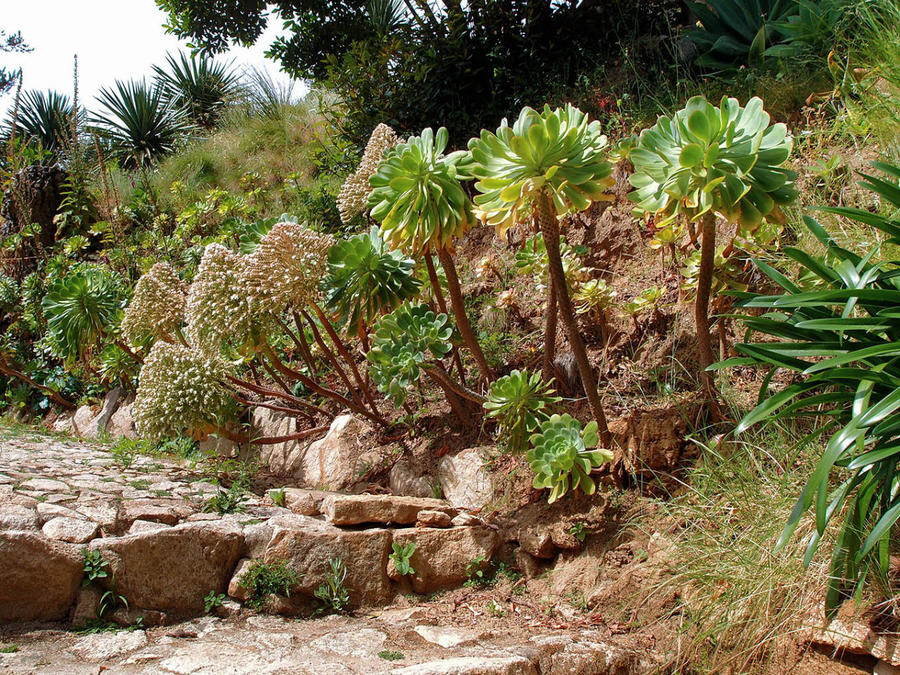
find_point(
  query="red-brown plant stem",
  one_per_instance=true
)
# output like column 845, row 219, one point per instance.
column 277, row 408
column 550, row 333
column 701, row 309
column 299, row 436
column 442, row 305
column 125, row 348
column 280, row 382
column 550, row 230
column 455, row 404
column 265, row 391
column 300, row 341
column 332, row 359
column 347, row 356
column 459, row 313
column 54, row 395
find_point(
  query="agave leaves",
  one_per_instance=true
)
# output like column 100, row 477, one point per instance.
column 43, row 120
column 563, row 456
column 844, row 340
column 726, row 160
column 417, row 196
column 557, row 151
column 199, row 86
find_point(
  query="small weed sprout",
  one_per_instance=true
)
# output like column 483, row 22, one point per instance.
column 263, row 579
column 95, row 567
column 213, row 600
column 9, row 649
column 226, row 501
column 579, row 530
column 476, row 572
column 333, row 596
column 278, row 497
column 401, row 556
column 391, row 655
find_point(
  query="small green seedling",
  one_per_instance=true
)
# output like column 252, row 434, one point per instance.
column 401, row 556
column 212, row 601
column 391, row 655
column 332, row 595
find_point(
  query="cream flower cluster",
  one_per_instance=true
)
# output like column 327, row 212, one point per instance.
column 355, row 191
column 179, row 390
column 219, row 302
column 287, row 267
column 157, row 307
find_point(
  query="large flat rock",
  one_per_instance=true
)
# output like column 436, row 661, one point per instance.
column 347, row 510
column 39, row 577
column 172, row 569
column 307, row 545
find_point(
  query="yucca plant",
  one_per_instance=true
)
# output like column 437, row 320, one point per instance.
column 42, row 121
column 841, row 340
column 519, row 402
column 707, row 161
column 546, row 166
column 563, row 455
column 422, row 207
column 138, row 123
column 199, row 85
column 366, row 280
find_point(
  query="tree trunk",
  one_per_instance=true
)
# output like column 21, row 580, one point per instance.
column 459, row 312
column 550, row 332
column 550, row 229
column 701, row 308
column 55, row 396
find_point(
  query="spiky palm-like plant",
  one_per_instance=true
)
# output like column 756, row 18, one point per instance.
column 422, row 207
column 706, row 161
column 42, row 120
column 138, row 123
column 199, row 85
column 547, row 165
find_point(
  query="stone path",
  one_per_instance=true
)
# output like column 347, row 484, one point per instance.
column 59, row 498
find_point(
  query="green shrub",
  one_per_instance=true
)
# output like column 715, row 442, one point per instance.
column 332, row 595
column 519, row 402
column 562, row 456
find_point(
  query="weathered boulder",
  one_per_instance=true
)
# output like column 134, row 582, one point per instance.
column 344, row 510
column 121, row 424
column 235, row 590
column 464, row 480
column 404, row 480
column 139, row 526
column 336, row 461
column 441, row 555
column 39, row 577
column 846, row 633
column 88, row 425
column 73, row 530
column 166, row 511
column 172, row 569
column 304, row 501
column 83, row 422
column 654, row 439
column 307, row 545
column 282, row 459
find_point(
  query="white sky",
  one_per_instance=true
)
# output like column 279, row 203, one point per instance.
column 114, row 39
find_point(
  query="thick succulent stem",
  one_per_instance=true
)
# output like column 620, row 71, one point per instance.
column 550, row 332
column 550, row 229
column 701, row 307
column 332, row 359
column 299, row 436
column 442, row 305
column 459, row 312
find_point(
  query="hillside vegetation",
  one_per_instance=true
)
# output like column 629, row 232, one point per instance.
column 698, row 216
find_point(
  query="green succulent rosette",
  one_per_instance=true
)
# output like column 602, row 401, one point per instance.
column 417, row 196
column 556, row 150
column 563, row 455
column 519, row 402
column 400, row 346
column 726, row 159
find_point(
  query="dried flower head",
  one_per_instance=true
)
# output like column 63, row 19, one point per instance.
column 355, row 191
column 218, row 303
column 158, row 305
column 287, row 267
column 507, row 299
column 180, row 390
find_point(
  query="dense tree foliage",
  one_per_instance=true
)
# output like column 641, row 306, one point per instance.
column 413, row 64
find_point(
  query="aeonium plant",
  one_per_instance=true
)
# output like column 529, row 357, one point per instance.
column 544, row 167
column 563, row 455
column 706, row 162
column 422, row 207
